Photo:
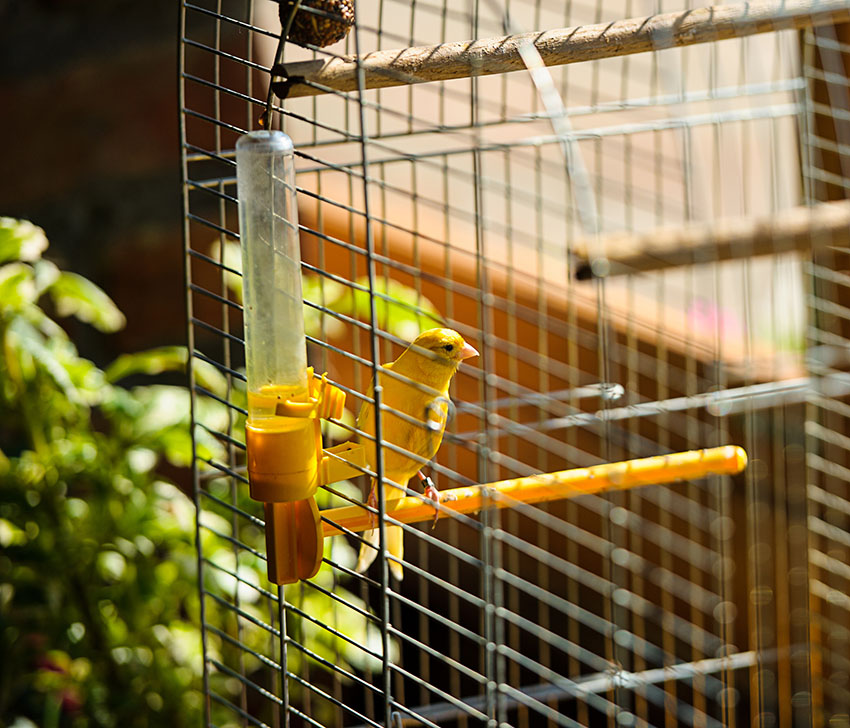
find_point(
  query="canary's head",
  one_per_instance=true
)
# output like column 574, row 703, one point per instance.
column 446, row 346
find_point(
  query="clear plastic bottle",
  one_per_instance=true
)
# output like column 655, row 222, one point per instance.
column 281, row 449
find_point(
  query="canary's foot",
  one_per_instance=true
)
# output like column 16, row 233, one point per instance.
column 431, row 492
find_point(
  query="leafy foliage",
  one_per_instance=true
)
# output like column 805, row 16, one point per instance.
column 99, row 608
column 98, row 597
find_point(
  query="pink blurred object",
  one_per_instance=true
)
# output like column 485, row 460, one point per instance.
column 707, row 317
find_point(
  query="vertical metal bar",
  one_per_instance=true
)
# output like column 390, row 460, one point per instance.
column 487, row 363
column 226, row 359
column 377, row 389
column 284, row 654
column 190, row 343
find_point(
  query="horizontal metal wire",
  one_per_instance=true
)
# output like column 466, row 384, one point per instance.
column 217, row 331
column 331, row 630
column 189, row 42
column 220, row 470
column 225, row 438
column 234, row 541
column 215, row 297
column 236, row 709
column 463, row 708
column 218, row 15
column 241, row 646
column 600, row 683
column 459, row 629
column 332, row 667
column 234, row 373
column 303, row 716
column 247, row 682
column 316, row 690
column 254, row 587
column 445, row 659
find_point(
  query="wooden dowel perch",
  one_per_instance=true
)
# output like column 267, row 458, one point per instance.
column 726, row 460
column 486, row 56
column 799, row 228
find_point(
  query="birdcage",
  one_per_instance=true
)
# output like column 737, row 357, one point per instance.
column 636, row 213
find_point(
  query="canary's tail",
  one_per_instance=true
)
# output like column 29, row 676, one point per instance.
column 369, row 550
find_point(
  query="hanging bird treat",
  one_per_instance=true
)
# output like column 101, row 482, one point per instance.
column 330, row 23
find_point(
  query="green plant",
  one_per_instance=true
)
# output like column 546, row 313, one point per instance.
column 99, row 607
column 98, row 596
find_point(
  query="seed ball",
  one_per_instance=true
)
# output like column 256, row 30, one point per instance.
column 320, row 29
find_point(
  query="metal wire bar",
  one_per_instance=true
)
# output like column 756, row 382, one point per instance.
column 241, row 580
column 234, row 541
column 400, row 708
column 327, row 628
column 241, row 613
column 245, row 715
column 330, row 698
column 452, row 589
column 245, row 681
column 525, row 117
column 448, row 661
column 333, row 667
column 236, row 643
column 678, row 586
column 602, row 681
column 335, row 597
column 221, row 16
column 453, row 626
column 459, row 704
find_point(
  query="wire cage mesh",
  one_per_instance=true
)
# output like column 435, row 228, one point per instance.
column 647, row 244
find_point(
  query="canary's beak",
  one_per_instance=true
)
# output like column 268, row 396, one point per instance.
column 467, row 352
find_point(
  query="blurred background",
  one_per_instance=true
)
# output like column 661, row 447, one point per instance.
column 91, row 152
column 98, row 593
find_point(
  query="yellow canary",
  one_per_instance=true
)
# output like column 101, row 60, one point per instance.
column 417, row 385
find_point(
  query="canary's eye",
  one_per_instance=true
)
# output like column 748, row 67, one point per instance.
column 449, row 348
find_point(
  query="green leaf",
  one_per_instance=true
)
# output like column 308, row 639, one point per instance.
column 329, row 294
column 17, row 286
column 20, row 240
column 79, row 297
column 46, row 274
column 166, row 359
column 152, row 361
column 25, row 337
column 231, row 257
column 209, row 377
column 401, row 310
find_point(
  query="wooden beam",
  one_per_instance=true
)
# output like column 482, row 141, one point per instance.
column 487, row 56
column 799, row 228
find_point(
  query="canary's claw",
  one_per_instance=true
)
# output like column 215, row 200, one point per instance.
column 431, row 492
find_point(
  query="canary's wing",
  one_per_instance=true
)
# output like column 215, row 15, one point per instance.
column 420, row 434
column 413, row 421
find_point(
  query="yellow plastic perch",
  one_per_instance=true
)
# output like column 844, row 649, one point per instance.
column 726, row 460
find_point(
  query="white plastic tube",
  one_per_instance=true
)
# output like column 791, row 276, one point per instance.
column 283, row 446
column 276, row 354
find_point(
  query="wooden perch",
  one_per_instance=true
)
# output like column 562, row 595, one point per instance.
column 691, row 465
column 800, row 228
column 483, row 57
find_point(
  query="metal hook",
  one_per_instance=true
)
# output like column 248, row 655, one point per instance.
column 266, row 117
